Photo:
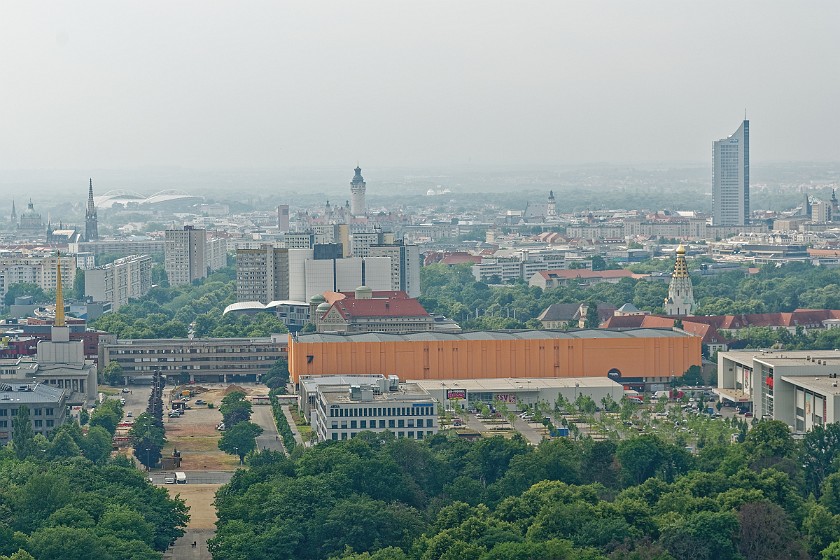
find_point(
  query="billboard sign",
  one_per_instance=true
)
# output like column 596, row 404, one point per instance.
column 456, row 394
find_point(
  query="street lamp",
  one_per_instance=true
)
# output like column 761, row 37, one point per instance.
column 148, row 460
column 236, row 450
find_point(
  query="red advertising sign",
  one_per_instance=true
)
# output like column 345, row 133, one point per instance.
column 456, row 394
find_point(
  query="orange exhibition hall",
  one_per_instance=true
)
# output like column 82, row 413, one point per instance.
column 653, row 354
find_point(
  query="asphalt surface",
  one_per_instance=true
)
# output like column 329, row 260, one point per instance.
column 270, row 438
column 194, row 477
column 136, row 400
column 525, row 428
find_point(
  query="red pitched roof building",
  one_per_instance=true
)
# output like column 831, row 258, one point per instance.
column 366, row 310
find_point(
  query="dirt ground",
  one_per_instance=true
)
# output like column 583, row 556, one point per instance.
column 194, row 434
column 199, row 497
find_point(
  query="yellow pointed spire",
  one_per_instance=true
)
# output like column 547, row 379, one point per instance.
column 59, row 295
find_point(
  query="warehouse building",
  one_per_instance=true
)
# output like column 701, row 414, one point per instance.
column 520, row 393
column 636, row 358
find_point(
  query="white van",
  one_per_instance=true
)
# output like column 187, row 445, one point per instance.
column 180, row 478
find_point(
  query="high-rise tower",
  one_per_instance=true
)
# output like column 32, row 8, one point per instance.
column 551, row 209
column 14, row 213
column 91, row 226
column 357, row 190
column 680, row 300
column 731, row 178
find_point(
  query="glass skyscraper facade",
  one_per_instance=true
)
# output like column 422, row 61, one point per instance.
column 731, row 178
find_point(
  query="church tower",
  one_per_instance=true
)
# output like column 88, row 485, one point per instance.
column 91, row 227
column 680, row 300
column 357, row 193
column 14, row 213
column 551, row 209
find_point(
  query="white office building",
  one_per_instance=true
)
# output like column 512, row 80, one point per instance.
column 342, row 411
column 731, row 178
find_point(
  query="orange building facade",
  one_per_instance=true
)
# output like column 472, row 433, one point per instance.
column 653, row 354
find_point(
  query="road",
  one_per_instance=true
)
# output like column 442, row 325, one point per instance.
column 195, row 477
column 270, row 438
column 136, row 400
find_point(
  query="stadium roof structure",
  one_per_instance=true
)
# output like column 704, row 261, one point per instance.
column 124, row 198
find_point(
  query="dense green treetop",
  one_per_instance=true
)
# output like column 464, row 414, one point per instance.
column 68, row 499
column 169, row 312
column 375, row 496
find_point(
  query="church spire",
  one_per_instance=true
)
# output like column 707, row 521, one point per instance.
column 14, row 212
column 91, row 223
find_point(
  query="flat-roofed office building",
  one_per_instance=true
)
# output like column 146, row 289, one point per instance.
column 404, row 409
column 200, row 359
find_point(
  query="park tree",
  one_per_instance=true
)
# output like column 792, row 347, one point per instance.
column 113, row 374
column 769, row 442
column 23, row 435
column 639, row 458
column 766, row 533
column 820, row 451
column 235, row 409
column 107, row 415
column 240, row 440
column 147, row 438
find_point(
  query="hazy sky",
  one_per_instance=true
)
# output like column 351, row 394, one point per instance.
column 92, row 85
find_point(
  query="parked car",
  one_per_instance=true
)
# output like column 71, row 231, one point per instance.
column 199, row 401
column 748, row 414
column 174, row 414
column 126, row 390
column 169, row 480
column 129, row 414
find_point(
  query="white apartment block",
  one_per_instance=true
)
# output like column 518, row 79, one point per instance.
column 262, row 274
column 522, row 265
column 216, row 253
column 39, row 270
column 190, row 255
column 304, row 240
column 362, row 241
column 119, row 281
column 121, row 247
